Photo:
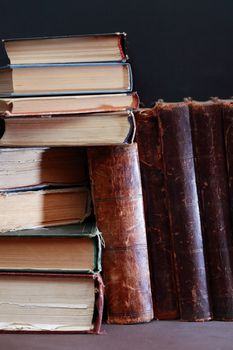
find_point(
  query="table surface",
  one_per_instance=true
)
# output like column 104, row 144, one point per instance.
column 162, row 335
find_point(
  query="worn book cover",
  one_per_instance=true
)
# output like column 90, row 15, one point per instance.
column 118, row 206
column 211, row 170
column 184, row 214
column 156, row 214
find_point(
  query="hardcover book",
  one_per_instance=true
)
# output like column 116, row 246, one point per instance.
column 118, row 206
column 35, row 302
column 45, row 207
column 68, row 248
column 68, row 79
column 160, row 249
column 81, row 48
column 68, row 104
column 68, row 130
column 211, row 169
column 184, row 214
column 28, row 167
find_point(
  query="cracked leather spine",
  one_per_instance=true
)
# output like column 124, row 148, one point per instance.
column 184, row 215
column 160, row 251
column 118, row 206
column 211, row 170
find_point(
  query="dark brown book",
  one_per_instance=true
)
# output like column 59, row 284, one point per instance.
column 118, row 206
column 156, row 214
column 211, row 170
column 228, row 136
column 47, row 303
column 180, row 181
column 27, row 167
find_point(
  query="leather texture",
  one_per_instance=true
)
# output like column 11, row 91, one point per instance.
column 118, row 206
column 184, row 216
column 160, row 250
column 211, row 170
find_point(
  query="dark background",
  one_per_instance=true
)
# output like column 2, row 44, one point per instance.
column 177, row 48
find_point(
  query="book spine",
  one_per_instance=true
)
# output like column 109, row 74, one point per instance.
column 209, row 151
column 156, row 214
column 228, row 138
column 184, row 213
column 118, row 206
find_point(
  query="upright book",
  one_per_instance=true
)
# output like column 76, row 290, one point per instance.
column 160, row 248
column 184, row 214
column 211, row 170
column 118, row 206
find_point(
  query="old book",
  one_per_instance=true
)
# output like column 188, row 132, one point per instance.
column 156, row 214
column 36, row 208
column 227, row 107
column 82, row 48
column 50, row 302
column 65, row 79
column 75, row 130
column 184, row 215
column 118, row 206
column 210, row 161
column 27, row 167
column 68, row 104
column 67, row 248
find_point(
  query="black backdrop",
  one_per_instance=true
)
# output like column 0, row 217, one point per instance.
column 177, row 48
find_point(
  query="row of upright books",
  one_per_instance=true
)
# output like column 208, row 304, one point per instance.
column 186, row 159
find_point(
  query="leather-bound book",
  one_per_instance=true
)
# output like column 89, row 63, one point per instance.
column 208, row 145
column 180, row 181
column 228, row 135
column 156, row 214
column 118, row 206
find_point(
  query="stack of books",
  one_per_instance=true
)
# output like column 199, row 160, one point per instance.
column 60, row 79
column 50, row 258
column 56, row 93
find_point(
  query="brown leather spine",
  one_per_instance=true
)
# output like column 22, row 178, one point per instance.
column 211, row 170
column 118, row 205
column 184, row 215
column 156, row 214
column 228, row 136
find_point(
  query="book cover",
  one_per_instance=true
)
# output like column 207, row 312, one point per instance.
column 156, row 214
column 118, row 206
column 211, row 170
column 184, row 214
